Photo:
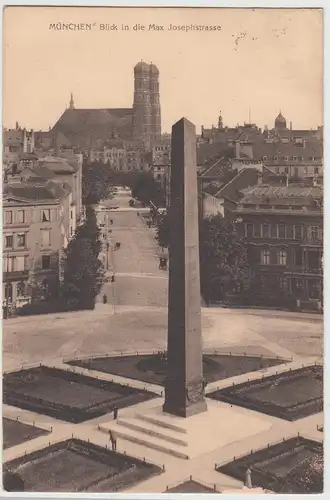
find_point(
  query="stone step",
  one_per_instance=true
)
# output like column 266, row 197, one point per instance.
column 160, row 423
column 149, row 442
column 151, row 429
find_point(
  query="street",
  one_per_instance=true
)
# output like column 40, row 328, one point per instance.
column 138, row 280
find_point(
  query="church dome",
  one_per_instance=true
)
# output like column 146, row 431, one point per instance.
column 280, row 121
column 153, row 69
column 141, row 67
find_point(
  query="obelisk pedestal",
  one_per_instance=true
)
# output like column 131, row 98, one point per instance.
column 184, row 386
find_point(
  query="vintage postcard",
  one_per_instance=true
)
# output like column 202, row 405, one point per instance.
column 162, row 237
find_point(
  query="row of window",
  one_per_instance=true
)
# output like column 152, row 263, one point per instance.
column 311, row 260
column 286, row 158
column 283, row 231
column 21, row 290
column 281, row 257
column 20, row 263
column 18, row 240
column 20, row 216
column 296, row 171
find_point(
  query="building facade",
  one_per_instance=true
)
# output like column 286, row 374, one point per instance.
column 36, row 227
column 284, row 230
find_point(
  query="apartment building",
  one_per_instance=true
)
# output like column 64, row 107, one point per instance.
column 36, row 227
column 284, row 229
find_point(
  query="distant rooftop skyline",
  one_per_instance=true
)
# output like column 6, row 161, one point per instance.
column 257, row 65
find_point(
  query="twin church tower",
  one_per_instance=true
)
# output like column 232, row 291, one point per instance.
column 146, row 106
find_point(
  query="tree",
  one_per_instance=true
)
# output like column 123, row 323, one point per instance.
column 12, row 481
column 163, row 230
column 83, row 271
column 97, row 182
column 146, row 189
column 223, row 258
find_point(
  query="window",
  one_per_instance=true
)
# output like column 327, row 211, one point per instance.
column 265, row 257
column 297, row 257
column 301, row 158
column 286, row 170
column 21, row 240
column 249, row 230
column 45, row 237
column 8, row 217
column 257, row 231
column 281, row 231
column 20, row 263
column 9, row 241
column 9, row 264
column 20, row 289
column 277, row 170
column 305, row 170
column 281, row 258
column 71, row 214
column 45, row 215
column 316, row 170
column 264, row 157
column 297, row 232
column 282, row 282
column 26, row 260
column 266, row 231
column 294, row 158
column 314, row 233
column 275, row 158
column 45, row 262
column 21, row 216
column 286, row 158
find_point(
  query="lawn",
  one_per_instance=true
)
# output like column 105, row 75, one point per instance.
column 66, row 395
column 74, row 465
column 289, row 395
column 153, row 368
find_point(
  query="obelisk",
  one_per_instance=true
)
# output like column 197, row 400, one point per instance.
column 184, row 384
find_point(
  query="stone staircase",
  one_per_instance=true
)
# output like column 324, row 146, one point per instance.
column 153, row 433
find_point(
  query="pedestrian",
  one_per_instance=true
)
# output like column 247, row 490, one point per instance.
column 113, row 441
column 115, row 413
column 105, row 299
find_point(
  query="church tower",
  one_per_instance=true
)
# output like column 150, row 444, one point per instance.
column 155, row 103
column 142, row 110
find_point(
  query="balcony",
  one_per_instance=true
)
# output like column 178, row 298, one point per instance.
column 15, row 275
column 303, row 271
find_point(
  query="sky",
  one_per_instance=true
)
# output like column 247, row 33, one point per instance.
column 261, row 61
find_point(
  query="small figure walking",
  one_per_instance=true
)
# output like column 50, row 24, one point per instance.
column 115, row 413
column 113, row 441
column 105, row 299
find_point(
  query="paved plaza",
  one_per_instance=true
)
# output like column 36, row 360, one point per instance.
column 135, row 321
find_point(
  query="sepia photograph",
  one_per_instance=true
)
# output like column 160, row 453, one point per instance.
column 162, row 243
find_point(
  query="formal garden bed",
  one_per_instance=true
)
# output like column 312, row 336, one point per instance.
column 191, row 486
column 78, row 466
column 290, row 395
column 67, row 396
column 152, row 368
column 292, row 466
column 15, row 432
